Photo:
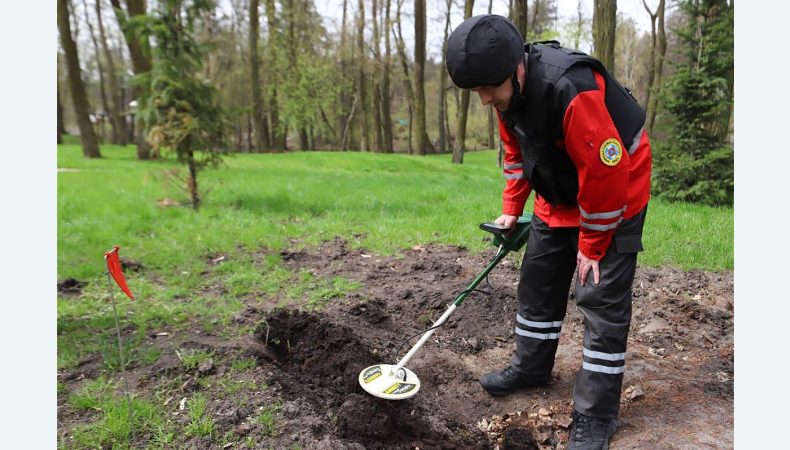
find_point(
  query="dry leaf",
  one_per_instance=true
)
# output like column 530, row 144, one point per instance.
column 633, row 392
column 657, row 352
column 182, row 403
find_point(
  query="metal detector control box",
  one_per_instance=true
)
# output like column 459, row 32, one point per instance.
column 511, row 239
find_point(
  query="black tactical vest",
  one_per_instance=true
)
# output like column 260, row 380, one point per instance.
column 538, row 128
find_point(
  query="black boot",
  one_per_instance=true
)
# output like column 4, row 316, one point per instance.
column 590, row 433
column 503, row 382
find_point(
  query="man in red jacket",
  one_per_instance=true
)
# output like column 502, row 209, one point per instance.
column 575, row 136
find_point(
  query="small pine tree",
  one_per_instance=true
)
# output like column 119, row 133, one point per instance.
column 696, row 164
column 181, row 111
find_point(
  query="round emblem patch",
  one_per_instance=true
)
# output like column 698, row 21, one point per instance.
column 611, row 153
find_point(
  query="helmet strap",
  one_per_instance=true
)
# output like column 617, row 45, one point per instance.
column 517, row 100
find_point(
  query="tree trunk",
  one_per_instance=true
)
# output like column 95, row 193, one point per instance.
column 419, row 75
column 90, row 146
column 261, row 131
column 141, row 63
column 579, row 25
column 375, row 75
column 304, row 141
column 657, row 68
column 250, row 126
column 61, row 128
column 463, row 110
column 278, row 132
column 604, row 25
column 491, row 109
column 404, row 61
column 116, row 91
column 348, row 124
column 364, row 138
column 519, row 16
column 100, row 70
column 192, row 183
column 442, row 144
column 386, row 109
column 535, row 25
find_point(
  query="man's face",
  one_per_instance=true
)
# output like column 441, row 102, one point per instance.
column 499, row 96
column 496, row 96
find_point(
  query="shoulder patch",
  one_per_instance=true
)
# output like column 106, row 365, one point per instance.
column 611, row 152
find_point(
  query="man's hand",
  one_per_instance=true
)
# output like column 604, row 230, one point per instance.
column 585, row 264
column 507, row 221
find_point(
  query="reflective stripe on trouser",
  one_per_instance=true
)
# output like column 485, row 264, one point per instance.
column 546, row 274
column 607, row 317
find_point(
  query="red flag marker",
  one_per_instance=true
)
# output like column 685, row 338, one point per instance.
column 114, row 267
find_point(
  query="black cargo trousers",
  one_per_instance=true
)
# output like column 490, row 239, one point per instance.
column 546, row 272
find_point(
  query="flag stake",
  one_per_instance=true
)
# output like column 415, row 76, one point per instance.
column 120, row 343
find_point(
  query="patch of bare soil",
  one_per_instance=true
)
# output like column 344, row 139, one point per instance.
column 678, row 389
column 70, row 287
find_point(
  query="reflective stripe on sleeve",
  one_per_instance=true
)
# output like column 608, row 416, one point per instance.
column 513, row 166
column 514, row 176
column 596, row 227
column 604, row 356
column 603, row 369
column 635, row 144
column 602, row 215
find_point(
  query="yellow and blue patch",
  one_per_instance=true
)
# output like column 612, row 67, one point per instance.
column 611, row 152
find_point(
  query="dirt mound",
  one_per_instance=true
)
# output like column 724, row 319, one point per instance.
column 71, row 287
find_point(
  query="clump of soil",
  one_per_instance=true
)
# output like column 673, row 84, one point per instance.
column 519, row 438
column 71, row 287
column 130, row 265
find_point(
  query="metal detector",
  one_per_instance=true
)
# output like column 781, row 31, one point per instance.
column 396, row 382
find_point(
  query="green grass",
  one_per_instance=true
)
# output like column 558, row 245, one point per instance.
column 200, row 422
column 382, row 202
column 191, row 359
column 267, row 419
column 112, row 428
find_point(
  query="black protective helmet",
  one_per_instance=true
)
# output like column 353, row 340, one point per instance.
column 483, row 51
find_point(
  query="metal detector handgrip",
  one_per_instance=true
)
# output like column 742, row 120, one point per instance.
column 511, row 240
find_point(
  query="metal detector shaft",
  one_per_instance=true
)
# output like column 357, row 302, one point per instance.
column 458, row 300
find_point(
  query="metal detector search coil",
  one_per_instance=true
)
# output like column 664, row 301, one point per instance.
column 384, row 381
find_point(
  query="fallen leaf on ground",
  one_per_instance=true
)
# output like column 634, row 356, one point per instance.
column 633, row 392
column 657, row 352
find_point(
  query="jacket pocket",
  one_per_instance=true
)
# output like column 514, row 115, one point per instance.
column 628, row 243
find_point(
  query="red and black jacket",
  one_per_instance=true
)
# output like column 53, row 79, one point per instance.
column 579, row 143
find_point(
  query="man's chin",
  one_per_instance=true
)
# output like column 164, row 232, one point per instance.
column 501, row 107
